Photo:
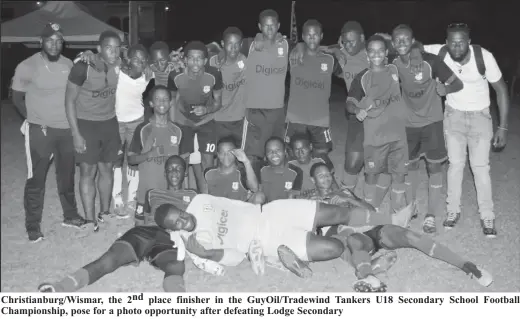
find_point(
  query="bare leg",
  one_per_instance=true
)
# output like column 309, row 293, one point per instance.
column 173, row 273
column 105, row 185
column 87, row 190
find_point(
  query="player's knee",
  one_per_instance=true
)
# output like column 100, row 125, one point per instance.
column 371, row 179
column 333, row 249
column 354, row 242
column 398, row 178
column 434, row 168
column 413, row 166
column 105, row 169
column 88, row 170
column 172, row 268
column 353, row 163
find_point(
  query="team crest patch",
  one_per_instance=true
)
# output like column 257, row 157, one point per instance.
column 288, row 185
column 394, row 76
column 280, row 51
column 234, row 186
column 207, row 208
column 324, row 67
column 371, row 164
column 418, row 76
column 186, row 199
column 240, row 64
column 173, row 140
column 206, row 89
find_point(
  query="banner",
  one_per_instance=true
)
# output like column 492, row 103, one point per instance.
column 294, row 27
column 254, row 305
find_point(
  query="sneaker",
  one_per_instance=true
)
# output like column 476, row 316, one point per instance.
column 78, row 223
column 273, row 262
column 429, row 225
column 482, row 276
column 101, row 217
column 488, row 227
column 384, row 262
column 119, row 207
column 35, row 236
column 47, row 287
column 369, row 284
column 256, row 257
column 293, row 263
column 451, row 220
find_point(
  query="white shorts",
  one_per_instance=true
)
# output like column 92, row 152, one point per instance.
column 195, row 157
column 287, row 222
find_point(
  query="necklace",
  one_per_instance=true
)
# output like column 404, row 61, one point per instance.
column 47, row 66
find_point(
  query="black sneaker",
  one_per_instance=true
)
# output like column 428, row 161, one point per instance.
column 101, row 216
column 451, row 220
column 488, row 227
column 35, row 236
column 78, row 223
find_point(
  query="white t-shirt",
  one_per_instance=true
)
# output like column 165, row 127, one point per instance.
column 129, row 98
column 475, row 94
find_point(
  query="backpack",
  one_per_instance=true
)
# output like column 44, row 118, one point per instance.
column 479, row 59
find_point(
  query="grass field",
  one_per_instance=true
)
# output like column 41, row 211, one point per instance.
column 25, row 265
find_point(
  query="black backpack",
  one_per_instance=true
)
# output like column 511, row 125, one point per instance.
column 479, row 59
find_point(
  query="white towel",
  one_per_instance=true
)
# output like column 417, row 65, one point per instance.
column 209, row 266
column 25, row 131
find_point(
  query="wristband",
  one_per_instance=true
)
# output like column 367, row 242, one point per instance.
column 502, row 128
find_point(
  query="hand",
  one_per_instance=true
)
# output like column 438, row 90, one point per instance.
column 240, row 155
column 199, row 110
column 386, row 36
column 279, row 38
column 361, row 114
column 259, row 42
column 79, row 143
column 441, row 89
column 296, row 55
column 337, row 200
column 148, row 73
column 176, row 60
column 194, row 247
column 87, row 57
column 500, row 139
column 156, row 151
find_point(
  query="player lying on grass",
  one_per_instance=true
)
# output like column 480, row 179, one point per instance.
column 234, row 177
column 362, row 246
column 225, row 230
column 149, row 242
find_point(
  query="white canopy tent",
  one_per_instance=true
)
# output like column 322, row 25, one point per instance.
column 79, row 27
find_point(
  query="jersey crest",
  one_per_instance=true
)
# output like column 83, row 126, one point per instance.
column 280, row 52
column 288, row 185
column 234, row 186
column 206, row 89
column 324, row 67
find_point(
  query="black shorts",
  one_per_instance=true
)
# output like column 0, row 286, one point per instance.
column 262, row 124
column 102, row 140
column 148, row 242
column 428, row 142
column 320, row 136
column 375, row 235
column 355, row 135
column 234, row 129
column 391, row 158
column 206, row 138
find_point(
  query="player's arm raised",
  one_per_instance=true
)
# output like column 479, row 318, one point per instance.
column 251, row 180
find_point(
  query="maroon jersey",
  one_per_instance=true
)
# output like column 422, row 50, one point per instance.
column 277, row 185
column 232, row 186
column 157, row 197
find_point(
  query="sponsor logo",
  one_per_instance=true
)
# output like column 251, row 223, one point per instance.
column 324, row 67
column 206, row 89
column 234, row 186
column 416, row 95
column 288, row 185
column 268, row 71
column 234, row 86
column 307, row 84
column 104, row 94
column 222, row 228
column 386, row 102
column 240, row 64
column 207, row 208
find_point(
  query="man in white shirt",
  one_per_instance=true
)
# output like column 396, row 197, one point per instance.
column 468, row 123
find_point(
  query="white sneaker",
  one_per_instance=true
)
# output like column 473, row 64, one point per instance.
column 485, row 279
column 256, row 257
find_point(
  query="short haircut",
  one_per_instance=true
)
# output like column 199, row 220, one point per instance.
column 350, row 26
column 227, row 139
column 273, row 139
column 196, row 46
column 175, row 158
column 232, row 31
column 161, row 214
column 302, row 137
column 137, row 47
column 312, row 23
column 314, row 167
column 108, row 34
column 403, row 27
column 376, row 37
column 268, row 13
column 159, row 46
column 458, row 27
column 157, row 88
